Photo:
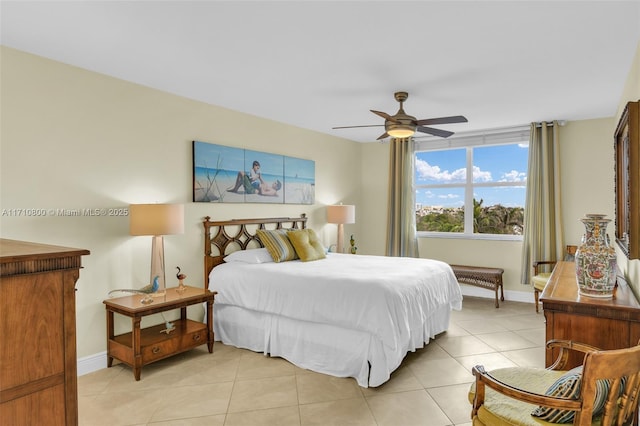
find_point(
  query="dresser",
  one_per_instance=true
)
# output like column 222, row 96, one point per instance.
column 38, row 373
column 604, row 323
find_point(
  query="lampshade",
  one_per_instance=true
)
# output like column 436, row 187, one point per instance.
column 156, row 219
column 341, row 213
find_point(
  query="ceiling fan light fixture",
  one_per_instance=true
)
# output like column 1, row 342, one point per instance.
column 400, row 130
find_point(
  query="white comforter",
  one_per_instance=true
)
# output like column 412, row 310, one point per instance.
column 390, row 298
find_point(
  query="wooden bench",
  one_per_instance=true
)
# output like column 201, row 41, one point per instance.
column 479, row 276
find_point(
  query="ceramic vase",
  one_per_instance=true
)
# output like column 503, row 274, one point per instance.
column 596, row 259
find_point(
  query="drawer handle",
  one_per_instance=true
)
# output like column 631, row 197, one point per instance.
column 196, row 337
column 155, row 349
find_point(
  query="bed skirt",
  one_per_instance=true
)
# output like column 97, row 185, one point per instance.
column 322, row 348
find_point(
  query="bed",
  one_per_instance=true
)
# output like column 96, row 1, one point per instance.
column 343, row 315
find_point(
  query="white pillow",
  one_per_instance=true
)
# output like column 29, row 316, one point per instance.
column 260, row 255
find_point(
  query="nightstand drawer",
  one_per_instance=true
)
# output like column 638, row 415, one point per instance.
column 194, row 339
column 160, row 350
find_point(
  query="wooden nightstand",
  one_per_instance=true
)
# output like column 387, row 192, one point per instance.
column 144, row 346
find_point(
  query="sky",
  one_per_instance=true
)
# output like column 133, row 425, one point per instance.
column 491, row 165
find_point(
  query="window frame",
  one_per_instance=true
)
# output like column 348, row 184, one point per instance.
column 468, row 141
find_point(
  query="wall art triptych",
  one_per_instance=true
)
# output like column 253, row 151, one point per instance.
column 223, row 174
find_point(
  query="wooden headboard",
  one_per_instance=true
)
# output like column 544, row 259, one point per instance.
column 222, row 238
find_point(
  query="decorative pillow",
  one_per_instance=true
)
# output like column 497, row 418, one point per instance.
column 306, row 244
column 278, row 244
column 260, row 255
column 568, row 386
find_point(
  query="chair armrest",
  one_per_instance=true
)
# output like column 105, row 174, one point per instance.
column 566, row 346
column 483, row 378
column 538, row 263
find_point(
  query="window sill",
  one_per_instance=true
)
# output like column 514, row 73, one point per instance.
column 461, row 236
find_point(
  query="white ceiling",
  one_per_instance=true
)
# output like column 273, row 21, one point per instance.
column 320, row 64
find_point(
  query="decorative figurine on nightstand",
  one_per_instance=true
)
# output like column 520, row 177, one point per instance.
column 353, row 248
column 181, row 287
column 169, row 326
column 147, row 290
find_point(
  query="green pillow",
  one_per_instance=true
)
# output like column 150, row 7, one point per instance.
column 306, row 244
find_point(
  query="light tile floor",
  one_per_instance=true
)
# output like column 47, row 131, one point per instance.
column 239, row 387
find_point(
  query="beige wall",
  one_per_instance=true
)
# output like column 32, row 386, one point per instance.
column 586, row 173
column 74, row 139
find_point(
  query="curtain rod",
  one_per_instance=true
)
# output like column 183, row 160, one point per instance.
column 561, row 123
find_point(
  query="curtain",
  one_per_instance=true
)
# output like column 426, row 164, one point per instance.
column 543, row 237
column 401, row 222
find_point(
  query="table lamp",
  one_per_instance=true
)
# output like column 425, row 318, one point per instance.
column 341, row 214
column 156, row 220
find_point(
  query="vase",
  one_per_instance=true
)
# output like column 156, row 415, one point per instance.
column 596, row 259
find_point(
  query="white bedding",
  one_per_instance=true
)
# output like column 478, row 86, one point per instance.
column 391, row 305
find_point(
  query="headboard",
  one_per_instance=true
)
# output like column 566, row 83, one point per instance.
column 221, row 238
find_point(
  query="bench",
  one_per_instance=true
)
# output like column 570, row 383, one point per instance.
column 479, row 276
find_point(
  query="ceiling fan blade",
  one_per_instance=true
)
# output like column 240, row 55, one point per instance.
column 382, row 114
column 352, row 127
column 443, row 120
column 435, row 132
column 383, row 136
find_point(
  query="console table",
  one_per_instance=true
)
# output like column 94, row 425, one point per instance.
column 604, row 323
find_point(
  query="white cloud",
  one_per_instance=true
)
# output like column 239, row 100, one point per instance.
column 514, row 176
column 427, row 171
column 480, row 176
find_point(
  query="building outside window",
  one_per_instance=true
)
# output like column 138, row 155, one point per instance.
column 472, row 185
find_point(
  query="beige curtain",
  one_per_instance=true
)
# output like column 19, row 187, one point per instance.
column 543, row 236
column 401, row 224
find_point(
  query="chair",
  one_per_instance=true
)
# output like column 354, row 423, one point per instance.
column 508, row 396
column 542, row 271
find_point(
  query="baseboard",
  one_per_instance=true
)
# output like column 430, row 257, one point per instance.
column 91, row 363
column 513, row 295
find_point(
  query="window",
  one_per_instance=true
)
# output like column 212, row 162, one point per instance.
column 472, row 185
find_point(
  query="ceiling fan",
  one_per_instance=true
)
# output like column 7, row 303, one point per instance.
column 402, row 125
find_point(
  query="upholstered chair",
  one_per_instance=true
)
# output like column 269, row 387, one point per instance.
column 542, row 272
column 602, row 391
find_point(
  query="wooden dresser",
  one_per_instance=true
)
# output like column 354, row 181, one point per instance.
column 604, row 323
column 38, row 377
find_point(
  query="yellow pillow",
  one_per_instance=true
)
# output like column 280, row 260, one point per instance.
column 277, row 243
column 306, row 244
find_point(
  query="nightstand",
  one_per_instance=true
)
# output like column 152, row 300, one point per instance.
column 144, row 346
